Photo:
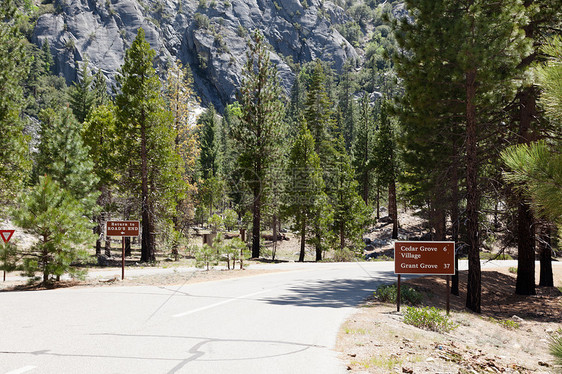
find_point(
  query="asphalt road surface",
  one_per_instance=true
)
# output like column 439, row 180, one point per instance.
column 283, row 322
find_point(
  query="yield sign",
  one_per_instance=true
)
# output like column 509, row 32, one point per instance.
column 6, row 235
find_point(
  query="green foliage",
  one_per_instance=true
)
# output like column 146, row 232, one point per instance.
column 81, row 94
column 512, row 270
column 428, row 319
column 304, row 195
column 506, row 323
column 55, row 217
column 205, row 257
column 14, row 66
column 257, row 136
column 202, row 21
column 64, row 157
column 216, row 222
column 555, row 347
column 9, row 257
column 230, row 219
column 149, row 164
column 388, row 294
column 209, row 140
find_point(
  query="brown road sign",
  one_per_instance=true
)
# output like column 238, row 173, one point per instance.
column 122, row 228
column 437, row 258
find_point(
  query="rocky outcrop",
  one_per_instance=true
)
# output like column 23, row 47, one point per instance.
column 209, row 35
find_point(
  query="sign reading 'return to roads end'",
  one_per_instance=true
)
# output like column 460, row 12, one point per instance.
column 436, row 258
column 122, row 228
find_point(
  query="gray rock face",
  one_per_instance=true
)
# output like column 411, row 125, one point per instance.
column 209, row 35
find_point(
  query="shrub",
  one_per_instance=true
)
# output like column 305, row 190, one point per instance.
column 230, row 219
column 512, row 270
column 428, row 319
column 215, row 221
column 205, row 257
column 556, row 348
column 506, row 323
column 202, row 21
column 387, row 294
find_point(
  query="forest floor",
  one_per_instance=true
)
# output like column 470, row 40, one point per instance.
column 511, row 335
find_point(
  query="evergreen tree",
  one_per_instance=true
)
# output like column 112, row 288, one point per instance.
column 477, row 47
column 362, row 149
column 55, row 217
column 14, row 66
column 305, row 195
column 350, row 212
column 209, row 143
column 386, row 163
column 257, row 135
column 63, row 156
column 99, row 88
column 81, row 95
column 146, row 140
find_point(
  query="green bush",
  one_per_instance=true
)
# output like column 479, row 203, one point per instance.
column 507, row 323
column 428, row 319
column 556, row 348
column 387, row 294
column 513, row 270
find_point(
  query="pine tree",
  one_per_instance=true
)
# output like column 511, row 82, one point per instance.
column 63, row 156
column 386, row 163
column 146, row 142
column 350, row 212
column 56, row 218
column 362, row 149
column 305, row 195
column 14, row 66
column 257, row 135
column 474, row 48
column 209, row 143
column 81, row 95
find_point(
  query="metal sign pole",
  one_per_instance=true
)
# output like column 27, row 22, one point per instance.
column 123, row 258
column 448, row 293
column 398, row 295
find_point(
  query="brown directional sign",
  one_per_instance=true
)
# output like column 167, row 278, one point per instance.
column 437, row 258
column 122, row 228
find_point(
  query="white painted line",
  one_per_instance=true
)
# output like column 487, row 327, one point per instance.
column 220, row 303
column 22, row 370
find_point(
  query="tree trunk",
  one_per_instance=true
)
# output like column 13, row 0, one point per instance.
column 256, row 224
column 525, row 284
column 545, row 255
column 393, row 208
column 474, row 285
column 147, row 246
column 455, row 220
column 303, row 240
column 378, row 202
column 274, row 237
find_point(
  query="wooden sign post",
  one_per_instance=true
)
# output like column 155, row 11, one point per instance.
column 124, row 229
column 429, row 258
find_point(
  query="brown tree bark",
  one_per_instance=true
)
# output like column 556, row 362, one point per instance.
column 546, row 278
column 256, row 207
column 393, row 208
column 525, row 283
column 474, row 285
column 455, row 220
column 303, row 240
column 147, row 241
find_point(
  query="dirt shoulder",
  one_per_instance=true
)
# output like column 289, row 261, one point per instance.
column 510, row 336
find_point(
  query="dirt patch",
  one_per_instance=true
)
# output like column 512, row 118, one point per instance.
column 510, row 336
column 167, row 279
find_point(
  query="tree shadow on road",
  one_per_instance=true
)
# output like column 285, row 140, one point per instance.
column 336, row 293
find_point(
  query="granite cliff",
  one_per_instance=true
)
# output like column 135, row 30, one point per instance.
column 208, row 35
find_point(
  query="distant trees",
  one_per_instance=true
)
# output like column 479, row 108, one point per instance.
column 14, row 67
column 257, row 134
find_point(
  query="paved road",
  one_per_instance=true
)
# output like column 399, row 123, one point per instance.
column 282, row 322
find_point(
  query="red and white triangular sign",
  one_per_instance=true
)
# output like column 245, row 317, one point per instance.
column 6, row 235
